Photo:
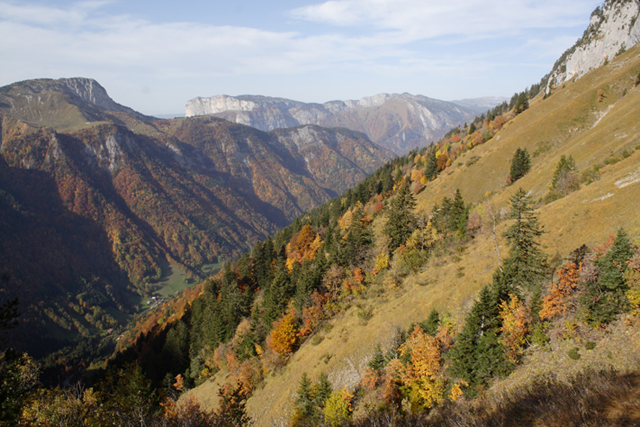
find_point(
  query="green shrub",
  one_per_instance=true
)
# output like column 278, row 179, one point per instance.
column 573, row 354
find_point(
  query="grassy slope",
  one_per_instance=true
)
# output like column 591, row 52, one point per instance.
column 567, row 123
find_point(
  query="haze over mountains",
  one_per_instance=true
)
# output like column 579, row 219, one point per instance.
column 397, row 122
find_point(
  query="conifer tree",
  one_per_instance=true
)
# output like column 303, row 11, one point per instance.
column 605, row 298
column 478, row 354
column 304, row 402
column 377, row 361
column 322, row 390
column 432, row 165
column 277, row 296
column 520, row 165
column 526, row 265
column 402, row 221
column 430, row 326
column 522, row 103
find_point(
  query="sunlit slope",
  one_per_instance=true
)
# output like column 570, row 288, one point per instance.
column 576, row 120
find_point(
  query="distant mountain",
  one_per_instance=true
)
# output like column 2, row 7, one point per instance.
column 481, row 105
column 96, row 199
column 397, row 122
column 613, row 28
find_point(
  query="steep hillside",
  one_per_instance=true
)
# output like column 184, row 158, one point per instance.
column 593, row 121
column 397, row 122
column 99, row 203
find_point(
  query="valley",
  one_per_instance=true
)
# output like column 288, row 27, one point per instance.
column 268, row 262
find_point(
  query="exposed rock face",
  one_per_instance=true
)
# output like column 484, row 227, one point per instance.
column 397, row 122
column 613, row 28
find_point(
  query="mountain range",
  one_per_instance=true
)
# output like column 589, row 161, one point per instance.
column 97, row 201
column 396, row 122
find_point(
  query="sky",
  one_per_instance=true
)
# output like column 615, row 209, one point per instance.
column 154, row 56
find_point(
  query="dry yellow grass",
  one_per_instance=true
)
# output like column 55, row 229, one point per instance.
column 571, row 122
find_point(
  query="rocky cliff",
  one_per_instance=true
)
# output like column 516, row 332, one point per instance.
column 613, row 28
column 397, row 122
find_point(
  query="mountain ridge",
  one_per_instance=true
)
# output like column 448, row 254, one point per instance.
column 398, row 122
column 185, row 192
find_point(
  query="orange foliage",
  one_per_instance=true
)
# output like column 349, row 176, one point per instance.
column 370, row 379
column 425, row 355
column 303, row 246
column 355, row 282
column 555, row 302
column 498, row 122
column 312, row 315
column 443, row 161
column 283, row 336
column 477, row 138
column 455, row 138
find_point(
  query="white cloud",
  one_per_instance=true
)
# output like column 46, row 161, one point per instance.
column 418, row 19
column 384, row 40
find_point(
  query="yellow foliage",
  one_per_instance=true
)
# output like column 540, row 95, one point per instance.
column 381, row 262
column 632, row 277
column 289, row 263
column 344, row 222
column 416, row 175
column 516, row 321
column 456, row 392
column 421, row 373
column 283, row 336
column 338, row 408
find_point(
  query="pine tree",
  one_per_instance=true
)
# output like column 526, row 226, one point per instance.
column 605, row 298
column 304, row 402
column 402, row 221
column 458, row 215
column 432, row 165
column 430, row 326
column 526, row 265
column 478, row 354
column 522, row 103
column 520, row 165
column 322, row 390
column 377, row 361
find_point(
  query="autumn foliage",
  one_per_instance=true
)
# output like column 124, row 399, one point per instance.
column 556, row 302
column 284, row 334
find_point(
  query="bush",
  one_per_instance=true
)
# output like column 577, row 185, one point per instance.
column 573, row 354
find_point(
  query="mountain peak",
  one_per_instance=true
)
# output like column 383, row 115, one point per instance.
column 80, row 91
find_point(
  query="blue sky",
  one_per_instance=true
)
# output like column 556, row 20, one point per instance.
column 154, row 56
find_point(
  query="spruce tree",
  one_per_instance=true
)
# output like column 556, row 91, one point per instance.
column 522, row 103
column 402, row 221
column 478, row 354
column 605, row 298
column 432, row 165
column 526, row 265
column 304, row 403
column 520, row 165
column 430, row 326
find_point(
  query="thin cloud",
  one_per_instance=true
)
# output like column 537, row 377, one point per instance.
column 434, row 18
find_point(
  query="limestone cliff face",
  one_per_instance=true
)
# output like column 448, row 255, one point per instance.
column 397, row 122
column 613, row 28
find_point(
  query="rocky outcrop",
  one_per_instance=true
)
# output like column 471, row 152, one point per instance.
column 613, row 29
column 397, row 122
